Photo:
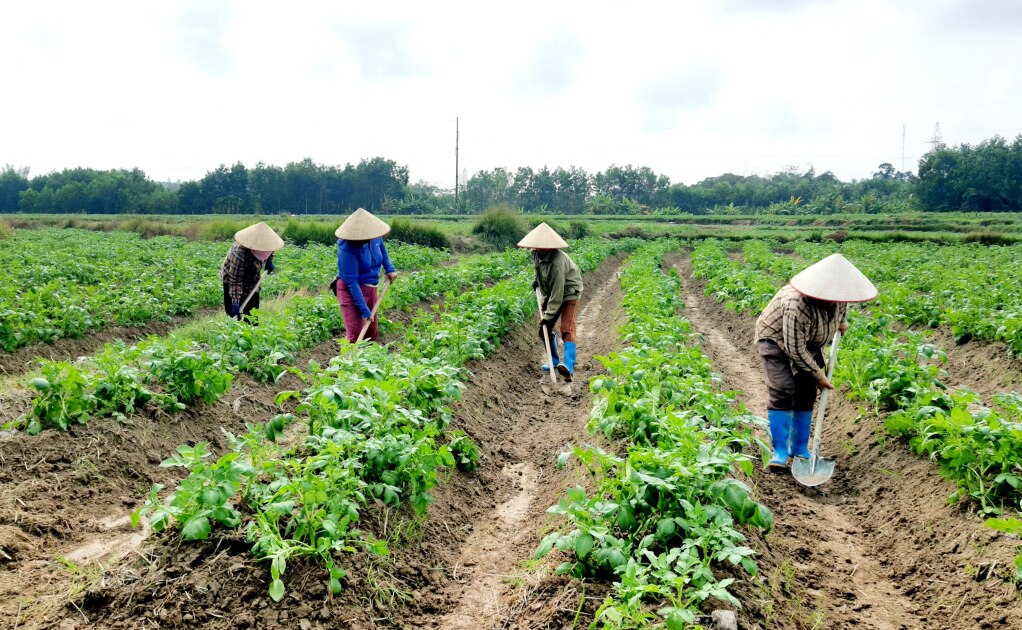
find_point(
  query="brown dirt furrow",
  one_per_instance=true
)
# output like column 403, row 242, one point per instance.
column 66, row 497
column 877, row 546
column 494, row 590
column 520, row 432
column 984, row 367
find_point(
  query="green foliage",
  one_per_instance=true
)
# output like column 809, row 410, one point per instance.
column 413, row 233
column 500, row 227
column 969, row 288
column 375, row 419
column 303, row 232
column 465, row 451
column 220, row 229
column 203, row 498
column 664, row 512
column 6, row 231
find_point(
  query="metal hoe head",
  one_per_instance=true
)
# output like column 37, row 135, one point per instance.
column 812, row 471
column 556, row 388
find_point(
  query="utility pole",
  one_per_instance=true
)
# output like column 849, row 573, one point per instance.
column 456, row 135
column 903, row 148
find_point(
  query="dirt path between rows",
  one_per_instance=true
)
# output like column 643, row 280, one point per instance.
column 875, row 547
column 533, row 428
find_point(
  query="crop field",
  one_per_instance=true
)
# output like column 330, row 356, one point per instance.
column 163, row 466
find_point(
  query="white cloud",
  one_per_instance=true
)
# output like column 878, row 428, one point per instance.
column 690, row 89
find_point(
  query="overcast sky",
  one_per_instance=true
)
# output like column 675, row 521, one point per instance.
column 691, row 89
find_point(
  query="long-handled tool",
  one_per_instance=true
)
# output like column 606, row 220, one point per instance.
column 554, row 386
column 250, row 294
column 814, row 470
column 372, row 315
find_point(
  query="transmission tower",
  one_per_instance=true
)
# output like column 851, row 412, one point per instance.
column 937, row 138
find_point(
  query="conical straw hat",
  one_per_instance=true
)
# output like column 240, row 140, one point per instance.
column 543, row 237
column 362, row 225
column 260, row 237
column 834, row 279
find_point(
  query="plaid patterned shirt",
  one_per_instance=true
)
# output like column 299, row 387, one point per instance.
column 801, row 326
column 240, row 271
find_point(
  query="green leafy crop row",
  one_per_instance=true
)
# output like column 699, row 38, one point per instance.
column 666, row 510
column 375, row 421
column 900, row 373
column 64, row 282
column 201, row 367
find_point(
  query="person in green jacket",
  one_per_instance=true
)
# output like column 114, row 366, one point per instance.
column 560, row 283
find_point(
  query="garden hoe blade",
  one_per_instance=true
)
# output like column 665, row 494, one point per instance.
column 812, row 471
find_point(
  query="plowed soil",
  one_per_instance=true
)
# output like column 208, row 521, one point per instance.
column 66, row 498
column 875, row 547
column 460, row 568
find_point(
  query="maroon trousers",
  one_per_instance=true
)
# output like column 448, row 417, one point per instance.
column 353, row 321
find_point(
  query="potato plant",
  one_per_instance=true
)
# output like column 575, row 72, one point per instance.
column 666, row 510
column 67, row 282
column 202, row 366
column 978, row 447
column 375, row 420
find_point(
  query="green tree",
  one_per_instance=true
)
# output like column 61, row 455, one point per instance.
column 12, row 183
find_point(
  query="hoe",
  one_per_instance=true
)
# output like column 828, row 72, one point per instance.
column 553, row 386
column 814, row 470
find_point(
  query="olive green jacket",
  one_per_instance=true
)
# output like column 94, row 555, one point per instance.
column 558, row 279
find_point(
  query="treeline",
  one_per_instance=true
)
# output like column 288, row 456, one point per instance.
column 985, row 177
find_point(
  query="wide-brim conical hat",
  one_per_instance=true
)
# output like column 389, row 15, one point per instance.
column 543, row 237
column 362, row 225
column 834, row 279
column 260, row 237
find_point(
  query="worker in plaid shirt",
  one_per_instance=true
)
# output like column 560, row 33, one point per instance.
column 790, row 335
column 251, row 252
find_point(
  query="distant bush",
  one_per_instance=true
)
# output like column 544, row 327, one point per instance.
column 220, row 230
column 6, row 231
column 631, row 231
column 413, row 233
column 579, row 229
column 839, row 236
column 989, row 237
column 304, row 232
column 147, row 228
column 500, row 227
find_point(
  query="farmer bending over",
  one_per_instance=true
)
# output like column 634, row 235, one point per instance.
column 360, row 254
column 560, row 284
column 251, row 252
column 790, row 334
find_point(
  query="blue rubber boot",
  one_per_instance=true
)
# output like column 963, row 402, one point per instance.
column 553, row 352
column 567, row 369
column 801, row 424
column 780, row 437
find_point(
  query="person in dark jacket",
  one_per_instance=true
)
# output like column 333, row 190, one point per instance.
column 790, row 335
column 251, row 252
column 560, row 283
column 360, row 255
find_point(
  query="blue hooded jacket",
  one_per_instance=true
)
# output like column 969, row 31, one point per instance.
column 360, row 264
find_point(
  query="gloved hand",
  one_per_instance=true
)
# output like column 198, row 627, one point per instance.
column 269, row 266
column 365, row 312
column 235, row 309
column 546, row 326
